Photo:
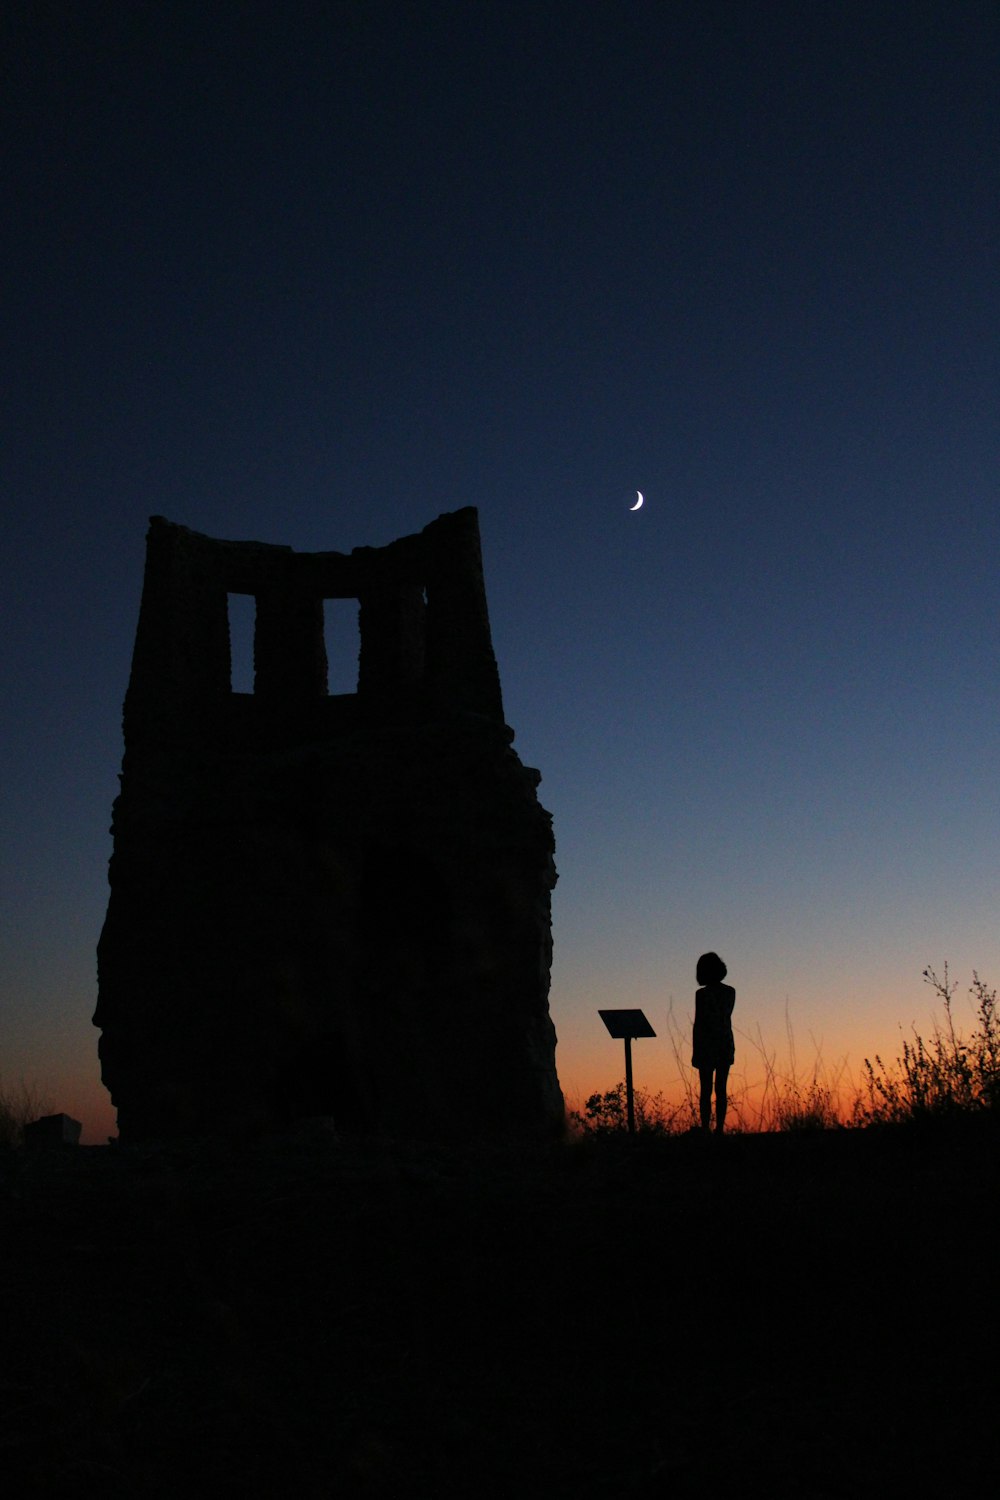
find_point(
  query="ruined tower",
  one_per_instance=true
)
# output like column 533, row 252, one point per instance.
column 325, row 904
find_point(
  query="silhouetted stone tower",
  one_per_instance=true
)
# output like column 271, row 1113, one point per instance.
column 322, row 904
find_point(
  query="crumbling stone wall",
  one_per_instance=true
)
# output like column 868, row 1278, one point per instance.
column 322, row 904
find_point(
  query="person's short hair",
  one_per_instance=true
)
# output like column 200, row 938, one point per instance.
column 711, row 969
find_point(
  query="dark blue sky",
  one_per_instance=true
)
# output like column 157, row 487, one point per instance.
column 315, row 273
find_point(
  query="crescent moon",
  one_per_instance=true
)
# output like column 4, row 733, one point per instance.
column 638, row 503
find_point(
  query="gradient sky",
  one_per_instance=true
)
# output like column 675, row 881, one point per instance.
column 315, row 273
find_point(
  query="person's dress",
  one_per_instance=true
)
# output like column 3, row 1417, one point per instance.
column 714, row 1046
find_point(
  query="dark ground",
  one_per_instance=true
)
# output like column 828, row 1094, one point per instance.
column 808, row 1316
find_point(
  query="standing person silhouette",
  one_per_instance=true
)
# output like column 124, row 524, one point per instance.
column 714, row 1048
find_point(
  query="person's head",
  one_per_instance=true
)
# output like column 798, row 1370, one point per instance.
column 711, row 969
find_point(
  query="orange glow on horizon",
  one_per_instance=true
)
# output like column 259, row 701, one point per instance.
column 779, row 1063
column 782, row 1050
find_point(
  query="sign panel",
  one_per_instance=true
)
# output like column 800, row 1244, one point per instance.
column 626, row 1023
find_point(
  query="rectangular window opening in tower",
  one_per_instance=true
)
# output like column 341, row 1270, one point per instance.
column 342, row 638
column 242, row 613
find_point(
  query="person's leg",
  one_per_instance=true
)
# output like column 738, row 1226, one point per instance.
column 705, row 1101
column 721, row 1100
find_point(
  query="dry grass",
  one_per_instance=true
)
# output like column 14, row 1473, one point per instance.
column 950, row 1075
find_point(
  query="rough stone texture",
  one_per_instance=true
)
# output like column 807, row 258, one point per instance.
column 325, row 905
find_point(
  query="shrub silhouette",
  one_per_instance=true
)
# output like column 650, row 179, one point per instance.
column 950, row 1075
column 607, row 1114
column 18, row 1109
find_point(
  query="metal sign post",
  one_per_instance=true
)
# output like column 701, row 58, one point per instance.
column 623, row 1025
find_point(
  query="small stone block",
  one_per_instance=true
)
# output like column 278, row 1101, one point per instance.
column 52, row 1130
